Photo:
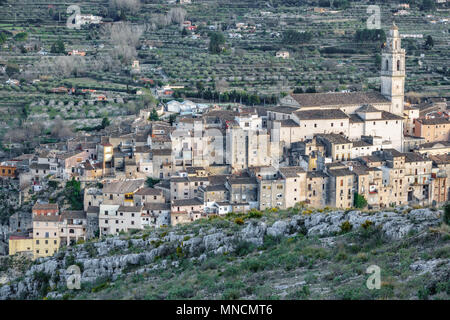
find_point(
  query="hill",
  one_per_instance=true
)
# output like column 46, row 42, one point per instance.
column 294, row 254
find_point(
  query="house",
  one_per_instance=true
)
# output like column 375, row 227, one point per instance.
column 340, row 188
column 46, row 239
column 186, row 210
column 435, row 129
column 121, row 192
column 282, row 54
column 73, row 227
column 155, row 214
column 77, row 53
column 148, row 195
column 20, row 243
column 45, row 209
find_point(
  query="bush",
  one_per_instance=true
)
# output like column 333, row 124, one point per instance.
column 346, row 226
column 239, row 221
column 255, row 214
column 447, row 214
column 366, row 225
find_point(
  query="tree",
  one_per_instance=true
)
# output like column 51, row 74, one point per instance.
column 73, row 195
column 184, row 32
column 359, row 201
column 12, row 68
column 154, row 115
column 150, row 182
column 58, row 47
column 2, row 37
column 447, row 213
column 429, row 43
column 105, row 122
column 21, row 36
column 370, row 35
column 172, row 118
column 216, row 42
column 428, row 5
column 295, row 37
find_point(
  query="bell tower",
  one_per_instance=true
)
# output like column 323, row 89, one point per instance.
column 393, row 71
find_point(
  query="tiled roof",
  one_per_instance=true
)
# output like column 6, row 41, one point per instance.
column 129, row 209
column 319, row 114
column 45, row 206
column 121, row 187
column 149, row 192
column 156, row 206
column 291, row 172
column 187, row 202
column 367, row 108
column 434, row 121
column 338, row 98
column 334, row 138
column 73, row 215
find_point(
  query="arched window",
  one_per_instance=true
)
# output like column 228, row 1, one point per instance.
column 387, row 65
column 398, row 65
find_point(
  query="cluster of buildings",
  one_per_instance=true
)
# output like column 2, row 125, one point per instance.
column 319, row 149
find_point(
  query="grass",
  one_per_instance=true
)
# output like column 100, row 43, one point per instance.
column 298, row 267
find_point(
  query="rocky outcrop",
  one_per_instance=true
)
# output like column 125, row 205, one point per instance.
column 112, row 257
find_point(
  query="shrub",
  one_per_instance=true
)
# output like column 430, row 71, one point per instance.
column 239, row 221
column 447, row 214
column 346, row 226
column 366, row 225
column 359, row 201
column 255, row 214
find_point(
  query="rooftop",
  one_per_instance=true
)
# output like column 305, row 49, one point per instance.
column 321, row 114
column 338, row 98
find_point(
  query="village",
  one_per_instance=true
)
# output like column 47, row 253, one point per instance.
column 183, row 161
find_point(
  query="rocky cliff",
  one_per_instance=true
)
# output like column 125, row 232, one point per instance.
column 312, row 245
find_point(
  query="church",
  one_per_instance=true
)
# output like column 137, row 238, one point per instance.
column 353, row 114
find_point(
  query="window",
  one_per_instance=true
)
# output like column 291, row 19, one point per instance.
column 398, row 65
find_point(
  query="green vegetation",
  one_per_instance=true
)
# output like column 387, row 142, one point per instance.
column 359, row 201
column 73, row 194
column 216, row 42
column 370, row 35
column 154, row 115
column 447, row 213
column 150, row 182
column 295, row 37
column 58, row 47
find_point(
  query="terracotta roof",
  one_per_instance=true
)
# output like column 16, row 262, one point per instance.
column 187, row 202
column 156, row 206
column 73, row 215
column 149, row 192
column 291, row 172
column 121, row 187
column 338, row 98
column 129, row 209
column 319, row 114
column 367, row 108
column 334, row 138
column 45, row 206
column 434, row 121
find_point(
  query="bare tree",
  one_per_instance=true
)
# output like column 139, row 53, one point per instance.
column 125, row 38
column 60, row 130
column 62, row 66
column 176, row 15
column 131, row 6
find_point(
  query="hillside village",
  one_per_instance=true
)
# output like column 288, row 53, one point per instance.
column 180, row 162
